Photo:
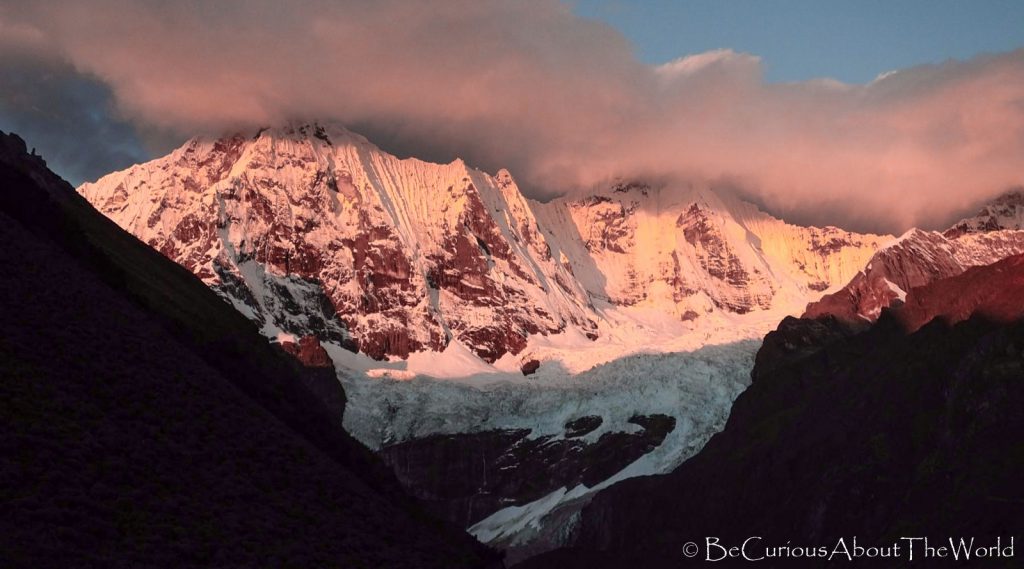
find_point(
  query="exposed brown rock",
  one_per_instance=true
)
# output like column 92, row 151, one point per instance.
column 530, row 367
column 309, row 352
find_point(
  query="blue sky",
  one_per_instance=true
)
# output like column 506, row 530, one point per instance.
column 852, row 41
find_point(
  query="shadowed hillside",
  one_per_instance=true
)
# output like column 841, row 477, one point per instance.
column 146, row 423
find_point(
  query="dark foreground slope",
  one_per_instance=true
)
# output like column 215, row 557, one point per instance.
column 878, row 435
column 146, row 423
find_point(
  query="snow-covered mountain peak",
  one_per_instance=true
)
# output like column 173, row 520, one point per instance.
column 312, row 230
column 1005, row 212
column 330, row 133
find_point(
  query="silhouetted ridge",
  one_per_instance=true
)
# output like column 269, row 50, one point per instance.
column 147, row 423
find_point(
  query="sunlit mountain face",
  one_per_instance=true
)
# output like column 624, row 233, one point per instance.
column 488, row 284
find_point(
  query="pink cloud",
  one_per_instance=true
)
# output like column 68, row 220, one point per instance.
column 559, row 100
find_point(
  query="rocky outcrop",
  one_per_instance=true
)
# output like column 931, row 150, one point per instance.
column 530, row 367
column 308, row 351
column 582, row 425
column 466, row 477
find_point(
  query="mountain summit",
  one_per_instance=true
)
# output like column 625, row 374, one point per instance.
column 313, row 231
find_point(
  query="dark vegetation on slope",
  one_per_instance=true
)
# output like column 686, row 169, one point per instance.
column 146, row 423
column 879, row 434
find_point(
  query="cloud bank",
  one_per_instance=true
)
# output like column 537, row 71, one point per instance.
column 559, row 100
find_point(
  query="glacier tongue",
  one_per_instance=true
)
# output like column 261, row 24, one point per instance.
column 695, row 388
column 633, row 373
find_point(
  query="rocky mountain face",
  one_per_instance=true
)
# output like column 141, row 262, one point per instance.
column 467, row 477
column 876, row 434
column 921, row 257
column 314, row 232
column 146, row 423
column 692, row 251
column 981, row 291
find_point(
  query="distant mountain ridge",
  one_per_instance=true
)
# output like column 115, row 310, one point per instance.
column 921, row 257
column 1005, row 212
column 311, row 230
